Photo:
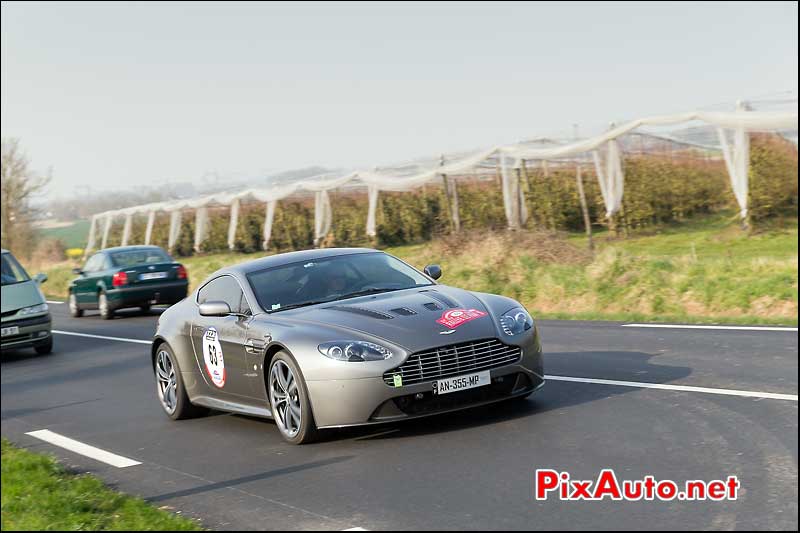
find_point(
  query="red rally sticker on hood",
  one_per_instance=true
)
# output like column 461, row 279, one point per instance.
column 453, row 318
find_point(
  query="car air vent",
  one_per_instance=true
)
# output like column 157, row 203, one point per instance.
column 403, row 311
column 361, row 311
column 433, row 306
column 442, row 298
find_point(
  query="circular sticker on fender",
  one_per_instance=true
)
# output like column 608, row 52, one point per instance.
column 212, row 356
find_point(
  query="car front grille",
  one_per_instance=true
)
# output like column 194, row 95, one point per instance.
column 453, row 360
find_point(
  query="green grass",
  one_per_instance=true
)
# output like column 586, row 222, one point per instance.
column 73, row 236
column 705, row 270
column 39, row 494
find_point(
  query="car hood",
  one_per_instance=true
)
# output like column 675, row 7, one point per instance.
column 406, row 318
column 19, row 295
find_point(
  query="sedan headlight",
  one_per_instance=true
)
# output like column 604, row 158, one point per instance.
column 516, row 321
column 355, row 351
column 32, row 310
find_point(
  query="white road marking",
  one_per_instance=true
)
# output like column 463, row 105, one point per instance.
column 735, row 328
column 684, row 388
column 120, row 339
column 53, row 302
column 83, row 449
column 356, row 529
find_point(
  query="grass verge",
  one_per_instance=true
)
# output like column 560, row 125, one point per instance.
column 39, row 494
column 703, row 271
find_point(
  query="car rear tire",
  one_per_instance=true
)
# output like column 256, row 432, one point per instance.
column 74, row 310
column 106, row 313
column 170, row 389
column 46, row 348
column 289, row 401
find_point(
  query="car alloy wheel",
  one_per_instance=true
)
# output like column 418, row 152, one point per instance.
column 167, row 382
column 73, row 306
column 102, row 304
column 285, row 397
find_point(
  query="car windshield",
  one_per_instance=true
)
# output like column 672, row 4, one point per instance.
column 331, row 278
column 130, row 258
column 12, row 272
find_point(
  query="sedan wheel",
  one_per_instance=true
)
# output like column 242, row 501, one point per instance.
column 74, row 310
column 105, row 310
column 167, row 382
column 285, row 397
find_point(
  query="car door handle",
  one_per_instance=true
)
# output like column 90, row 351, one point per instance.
column 255, row 346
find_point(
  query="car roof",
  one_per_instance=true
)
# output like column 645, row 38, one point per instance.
column 293, row 257
column 130, row 248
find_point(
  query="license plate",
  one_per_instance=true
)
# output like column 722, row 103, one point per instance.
column 13, row 330
column 152, row 275
column 470, row 381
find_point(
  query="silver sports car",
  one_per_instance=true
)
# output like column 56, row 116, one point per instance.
column 340, row 337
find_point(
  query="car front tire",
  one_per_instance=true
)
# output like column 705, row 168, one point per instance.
column 46, row 348
column 74, row 310
column 288, row 398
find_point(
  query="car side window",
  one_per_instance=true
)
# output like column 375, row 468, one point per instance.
column 224, row 289
column 94, row 263
column 107, row 265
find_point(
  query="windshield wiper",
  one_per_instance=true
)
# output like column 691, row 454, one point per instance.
column 371, row 290
column 301, row 304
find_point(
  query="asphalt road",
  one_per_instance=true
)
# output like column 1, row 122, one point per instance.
column 471, row 470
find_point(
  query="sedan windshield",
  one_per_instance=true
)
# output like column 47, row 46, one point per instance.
column 12, row 272
column 332, row 278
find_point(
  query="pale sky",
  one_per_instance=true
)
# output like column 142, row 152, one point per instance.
column 120, row 95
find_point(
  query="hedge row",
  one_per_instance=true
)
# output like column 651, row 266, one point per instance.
column 658, row 190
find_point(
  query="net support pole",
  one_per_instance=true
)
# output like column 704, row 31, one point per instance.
column 269, row 216
column 233, row 224
column 587, row 221
column 454, row 205
column 372, row 211
column 200, row 221
column 148, row 232
column 523, row 206
column 90, row 240
column 322, row 216
column 448, row 203
column 106, row 231
column 126, row 230
column 737, row 162
column 174, row 229
column 510, row 195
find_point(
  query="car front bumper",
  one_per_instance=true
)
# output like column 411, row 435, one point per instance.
column 33, row 331
column 364, row 401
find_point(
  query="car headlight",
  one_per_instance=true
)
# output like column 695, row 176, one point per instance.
column 41, row 308
column 354, row 351
column 516, row 321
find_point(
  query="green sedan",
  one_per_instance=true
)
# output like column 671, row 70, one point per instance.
column 127, row 276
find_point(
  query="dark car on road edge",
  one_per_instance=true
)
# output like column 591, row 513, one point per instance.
column 127, row 276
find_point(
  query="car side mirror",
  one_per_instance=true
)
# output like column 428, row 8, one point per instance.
column 433, row 271
column 77, row 271
column 40, row 278
column 215, row 308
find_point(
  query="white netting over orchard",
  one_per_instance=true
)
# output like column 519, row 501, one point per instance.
column 718, row 131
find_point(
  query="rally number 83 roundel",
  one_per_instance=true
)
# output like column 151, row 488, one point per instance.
column 212, row 356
